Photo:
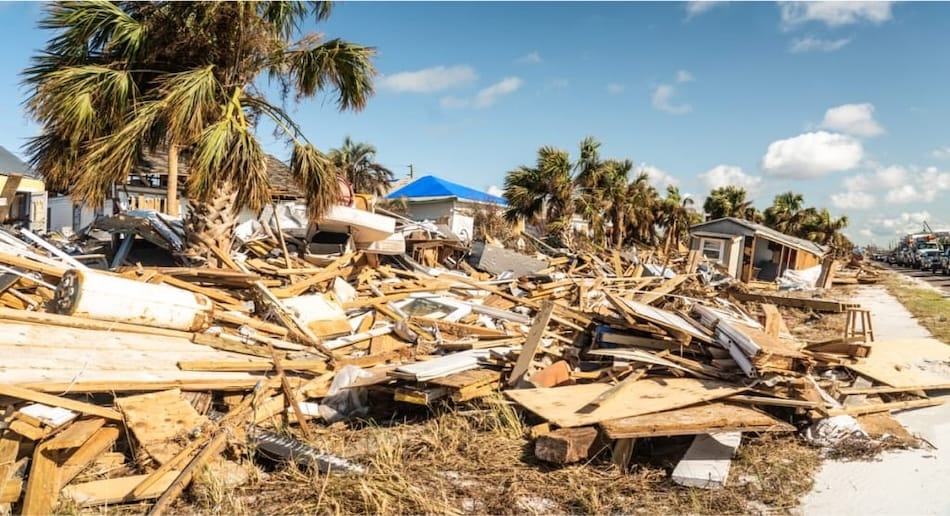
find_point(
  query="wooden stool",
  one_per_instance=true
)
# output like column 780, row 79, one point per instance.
column 852, row 333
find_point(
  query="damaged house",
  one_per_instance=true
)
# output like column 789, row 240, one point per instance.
column 750, row 251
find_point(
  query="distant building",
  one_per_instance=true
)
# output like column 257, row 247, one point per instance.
column 435, row 199
column 752, row 251
column 23, row 197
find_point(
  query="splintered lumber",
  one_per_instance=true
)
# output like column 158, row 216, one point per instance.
column 622, row 453
column 816, row 304
column 773, row 320
column 776, row 402
column 469, row 384
column 319, row 366
column 667, row 287
column 158, row 420
column 116, row 490
column 566, row 445
column 445, row 365
column 705, row 418
column 708, row 460
column 561, row 405
column 183, row 478
column 56, row 401
column 531, row 343
column 42, row 488
column 906, row 363
column 76, row 434
column 885, row 407
column 101, row 441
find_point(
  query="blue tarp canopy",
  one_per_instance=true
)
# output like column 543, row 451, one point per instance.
column 434, row 187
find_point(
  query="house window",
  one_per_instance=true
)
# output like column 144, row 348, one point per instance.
column 712, row 249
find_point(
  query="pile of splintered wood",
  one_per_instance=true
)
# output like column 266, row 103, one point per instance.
column 120, row 385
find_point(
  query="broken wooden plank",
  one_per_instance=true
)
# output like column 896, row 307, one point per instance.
column 57, row 401
column 101, row 441
column 699, row 419
column 532, row 341
column 76, row 434
column 42, row 488
column 158, row 420
column 116, row 490
column 560, row 405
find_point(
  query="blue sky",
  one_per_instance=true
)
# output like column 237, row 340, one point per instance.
column 844, row 102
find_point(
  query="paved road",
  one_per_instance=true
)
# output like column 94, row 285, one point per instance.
column 937, row 280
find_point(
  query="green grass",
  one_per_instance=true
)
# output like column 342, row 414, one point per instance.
column 929, row 306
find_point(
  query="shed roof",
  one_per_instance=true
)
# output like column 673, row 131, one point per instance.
column 732, row 225
column 431, row 187
column 10, row 164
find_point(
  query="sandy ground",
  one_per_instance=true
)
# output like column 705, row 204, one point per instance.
column 902, row 482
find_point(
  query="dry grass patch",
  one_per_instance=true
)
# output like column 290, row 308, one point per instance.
column 476, row 460
column 929, row 306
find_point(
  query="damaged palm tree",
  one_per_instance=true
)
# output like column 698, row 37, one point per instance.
column 120, row 79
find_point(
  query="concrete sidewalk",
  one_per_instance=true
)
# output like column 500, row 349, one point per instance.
column 902, row 482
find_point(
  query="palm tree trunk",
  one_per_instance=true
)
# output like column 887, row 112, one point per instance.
column 618, row 229
column 209, row 228
column 171, row 201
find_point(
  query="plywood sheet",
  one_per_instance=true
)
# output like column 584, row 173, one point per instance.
column 160, row 421
column 569, row 406
column 698, row 419
column 37, row 355
column 907, row 363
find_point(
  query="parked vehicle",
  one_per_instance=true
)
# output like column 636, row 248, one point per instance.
column 929, row 260
column 945, row 262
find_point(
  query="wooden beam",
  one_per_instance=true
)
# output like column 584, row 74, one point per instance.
column 42, row 488
column 56, row 401
column 531, row 343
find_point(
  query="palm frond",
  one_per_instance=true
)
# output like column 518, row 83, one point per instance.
column 337, row 64
column 93, row 26
column 228, row 152
column 315, row 175
column 192, row 102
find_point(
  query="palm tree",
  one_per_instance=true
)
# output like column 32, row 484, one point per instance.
column 357, row 162
column 544, row 192
column 786, row 213
column 824, row 229
column 729, row 201
column 641, row 210
column 119, row 79
column 676, row 216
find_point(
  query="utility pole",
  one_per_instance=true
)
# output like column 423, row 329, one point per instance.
column 411, row 171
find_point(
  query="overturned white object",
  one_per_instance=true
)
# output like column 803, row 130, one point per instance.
column 86, row 293
column 707, row 462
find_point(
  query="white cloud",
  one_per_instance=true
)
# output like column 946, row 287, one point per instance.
column 941, row 152
column 684, row 76
column 883, row 179
column 428, row 80
column 557, row 83
column 853, row 200
column 856, row 119
column 697, row 7
column 615, row 88
column 813, row 44
column 486, row 96
column 663, row 94
column 661, row 100
column 726, row 175
column 659, row 178
column 906, row 222
column 903, row 185
column 497, row 191
column 812, row 155
column 530, row 58
column 834, row 14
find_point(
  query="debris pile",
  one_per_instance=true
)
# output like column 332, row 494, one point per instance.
column 119, row 385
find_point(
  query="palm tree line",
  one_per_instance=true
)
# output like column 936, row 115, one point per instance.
column 117, row 80
column 623, row 210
